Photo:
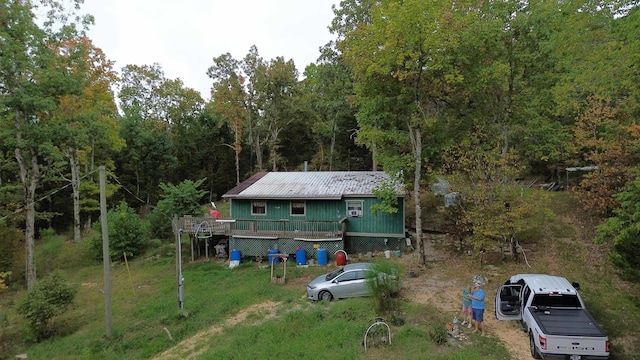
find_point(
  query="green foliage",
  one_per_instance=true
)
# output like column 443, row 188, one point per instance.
column 11, row 252
column 49, row 298
column 622, row 232
column 127, row 234
column 3, row 279
column 183, row 199
column 383, row 283
column 439, row 334
column 387, row 194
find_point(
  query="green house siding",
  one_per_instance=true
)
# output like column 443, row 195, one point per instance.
column 379, row 225
column 320, row 210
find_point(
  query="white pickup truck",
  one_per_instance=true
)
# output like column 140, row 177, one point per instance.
column 551, row 311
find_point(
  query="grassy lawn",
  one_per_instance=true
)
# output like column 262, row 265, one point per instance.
column 147, row 321
column 239, row 314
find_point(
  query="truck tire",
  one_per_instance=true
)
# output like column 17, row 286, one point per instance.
column 523, row 326
column 532, row 347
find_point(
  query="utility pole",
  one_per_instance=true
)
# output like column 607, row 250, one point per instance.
column 106, row 259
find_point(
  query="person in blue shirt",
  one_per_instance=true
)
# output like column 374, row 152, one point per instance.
column 477, row 307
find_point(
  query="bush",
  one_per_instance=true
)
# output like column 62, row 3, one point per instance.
column 439, row 334
column 127, row 234
column 383, row 284
column 49, row 298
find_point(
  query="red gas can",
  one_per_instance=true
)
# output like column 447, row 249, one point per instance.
column 341, row 258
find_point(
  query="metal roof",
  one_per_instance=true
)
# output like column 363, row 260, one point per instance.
column 310, row 185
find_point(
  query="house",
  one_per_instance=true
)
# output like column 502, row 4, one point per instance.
column 313, row 210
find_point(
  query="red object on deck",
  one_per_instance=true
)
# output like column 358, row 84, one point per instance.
column 215, row 213
column 341, row 258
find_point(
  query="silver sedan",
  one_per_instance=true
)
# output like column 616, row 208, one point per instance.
column 344, row 282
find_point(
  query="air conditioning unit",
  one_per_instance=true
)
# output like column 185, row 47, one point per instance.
column 354, row 213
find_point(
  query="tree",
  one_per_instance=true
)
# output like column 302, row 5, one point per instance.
column 254, row 68
column 153, row 108
column 488, row 209
column 228, row 100
column 622, row 232
column 403, row 74
column 32, row 83
column 87, row 120
column 604, row 142
column 280, row 92
column 182, row 199
column 327, row 89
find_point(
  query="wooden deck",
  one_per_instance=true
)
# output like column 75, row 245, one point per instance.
column 256, row 237
column 251, row 228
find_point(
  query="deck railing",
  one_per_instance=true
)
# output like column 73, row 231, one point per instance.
column 287, row 228
column 283, row 228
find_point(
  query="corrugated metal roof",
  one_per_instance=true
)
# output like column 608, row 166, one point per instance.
column 245, row 184
column 310, row 185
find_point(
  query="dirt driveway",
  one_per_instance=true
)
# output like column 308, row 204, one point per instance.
column 440, row 283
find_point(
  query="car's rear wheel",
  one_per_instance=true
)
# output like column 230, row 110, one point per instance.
column 325, row 295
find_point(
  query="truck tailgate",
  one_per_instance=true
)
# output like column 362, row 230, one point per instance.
column 576, row 345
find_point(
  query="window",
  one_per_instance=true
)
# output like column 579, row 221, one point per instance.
column 258, row 207
column 349, row 276
column 298, row 208
column 354, row 208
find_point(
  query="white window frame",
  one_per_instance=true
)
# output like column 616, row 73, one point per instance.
column 355, row 208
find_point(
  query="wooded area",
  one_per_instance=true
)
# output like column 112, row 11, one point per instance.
column 482, row 92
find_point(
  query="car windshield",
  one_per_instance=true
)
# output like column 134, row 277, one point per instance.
column 332, row 275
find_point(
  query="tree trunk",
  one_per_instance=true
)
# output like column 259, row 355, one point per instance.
column 417, row 178
column 29, row 178
column 237, row 149
column 258, row 146
column 75, row 186
column 332, row 147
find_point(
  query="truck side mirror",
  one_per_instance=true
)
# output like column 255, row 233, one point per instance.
column 576, row 285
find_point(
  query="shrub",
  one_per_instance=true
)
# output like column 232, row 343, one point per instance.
column 383, row 284
column 439, row 334
column 127, row 234
column 49, row 297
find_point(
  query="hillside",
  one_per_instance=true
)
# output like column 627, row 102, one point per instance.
column 233, row 311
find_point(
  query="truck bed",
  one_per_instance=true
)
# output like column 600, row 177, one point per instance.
column 567, row 322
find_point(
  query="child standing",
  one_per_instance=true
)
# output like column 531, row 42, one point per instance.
column 466, row 306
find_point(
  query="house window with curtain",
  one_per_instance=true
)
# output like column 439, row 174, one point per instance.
column 298, row 208
column 258, row 208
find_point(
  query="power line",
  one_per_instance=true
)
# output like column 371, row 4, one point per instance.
column 45, row 196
